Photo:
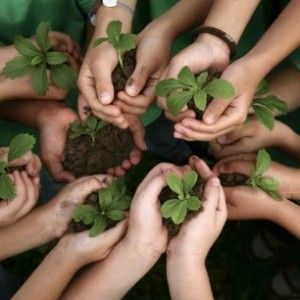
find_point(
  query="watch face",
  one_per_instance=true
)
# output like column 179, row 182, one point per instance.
column 110, row 3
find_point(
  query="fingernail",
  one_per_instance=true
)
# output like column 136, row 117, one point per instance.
column 221, row 168
column 215, row 181
column 177, row 135
column 194, row 157
column 131, row 90
column 106, row 98
column 222, row 139
column 209, row 118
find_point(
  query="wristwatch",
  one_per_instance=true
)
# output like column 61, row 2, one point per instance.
column 110, row 3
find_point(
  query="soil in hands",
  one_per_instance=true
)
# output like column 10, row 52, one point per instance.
column 111, row 147
column 119, row 76
column 167, row 194
column 231, row 180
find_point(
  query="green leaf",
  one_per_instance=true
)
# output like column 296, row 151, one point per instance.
column 186, row 77
column 179, row 212
column 275, row 195
column 64, row 76
column 189, row 181
column 262, row 88
column 18, row 67
column 263, row 162
column 220, row 89
column 168, row 207
column 113, row 30
column 122, row 204
column 37, row 60
column 40, row 79
column 116, row 215
column 85, row 213
column 178, row 100
column 3, row 166
column 91, row 123
column 193, row 203
column 268, row 183
column 75, row 135
column 7, row 188
column 201, row 79
column 127, row 42
column 76, row 126
column 19, row 145
column 105, row 198
column 166, row 87
column 98, row 227
column 56, row 58
column 200, row 99
column 175, row 183
column 26, row 47
column 99, row 41
column 273, row 103
column 265, row 116
column 42, row 36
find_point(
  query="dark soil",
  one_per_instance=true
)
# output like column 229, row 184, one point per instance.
column 167, row 194
column 235, row 179
column 119, row 76
column 111, row 147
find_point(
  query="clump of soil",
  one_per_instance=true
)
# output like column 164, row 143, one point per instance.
column 111, row 147
column 231, row 180
column 167, row 194
column 119, row 76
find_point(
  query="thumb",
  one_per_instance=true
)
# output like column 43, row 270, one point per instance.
column 138, row 130
column 214, row 110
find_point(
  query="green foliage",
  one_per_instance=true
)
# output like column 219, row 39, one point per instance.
column 258, row 180
column 122, row 42
column 265, row 105
column 111, row 207
column 177, row 209
column 18, row 146
column 188, row 87
column 90, row 127
column 38, row 60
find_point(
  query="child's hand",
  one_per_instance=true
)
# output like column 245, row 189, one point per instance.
column 196, row 237
column 85, row 249
column 286, row 176
column 59, row 211
column 22, row 87
column 27, row 190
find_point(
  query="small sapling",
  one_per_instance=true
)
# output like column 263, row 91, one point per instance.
column 39, row 61
column 18, row 146
column 122, row 42
column 110, row 208
column 188, row 87
column 177, row 209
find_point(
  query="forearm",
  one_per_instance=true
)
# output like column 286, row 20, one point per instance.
column 29, row 232
column 188, row 280
column 278, row 42
column 112, row 278
column 50, row 279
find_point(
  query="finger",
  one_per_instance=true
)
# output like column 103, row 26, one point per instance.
column 235, row 135
column 138, row 79
column 181, row 136
column 237, row 166
column 83, row 108
column 135, row 156
column 22, row 161
column 211, row 195
column 113, row 116
column 138, row 130
column 4, row 153
column 33, row 168
column 245, row 145
column 127, row 109
column 222, row 207
column 183, row 115
column 119, row 171
column 214, row 110
column 126, row 165
column 139, row 101
column 37, row 186
column 57, row 171
column 21, row 195
column 62, row 42
column 200, row 167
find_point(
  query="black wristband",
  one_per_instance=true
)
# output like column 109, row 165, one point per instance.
column 218, row 33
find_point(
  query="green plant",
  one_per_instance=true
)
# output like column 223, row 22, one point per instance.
column 265, row 105
column 18, row 146
column 90, row 127
column 38, row 60
column 122, row 42
column 177, row 209
column 258, row 180
column 111, row 207
column 188, row 87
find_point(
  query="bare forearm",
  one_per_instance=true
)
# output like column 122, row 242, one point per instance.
column 231, row 16
column 188, row 280
column 50, row 279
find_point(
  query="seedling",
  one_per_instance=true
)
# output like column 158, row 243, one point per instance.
column 111, row 207
column 122, row 42
column 177, row 209
column 18, row 146
column 38, row 60
column 258, row 180
column 265, row 105
column 90, row 127
column 188, row 87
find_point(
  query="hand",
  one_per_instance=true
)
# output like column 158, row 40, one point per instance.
column 286, row 176
column 85, row 249
column 59, row 211
column 207, row 52
column 53, row 123
column 222, row 116
column 22, row 87
column 196, row 237
column 27, row 193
